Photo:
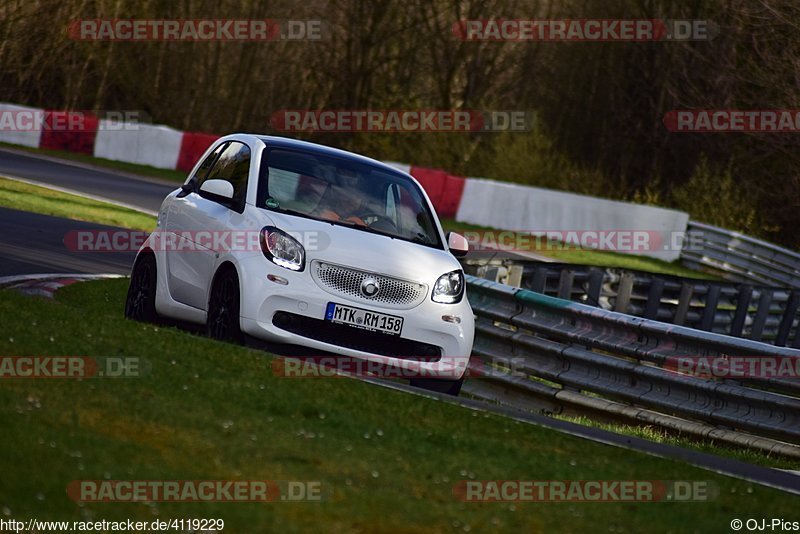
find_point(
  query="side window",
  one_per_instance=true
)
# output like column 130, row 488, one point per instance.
column 233, row 165
column 391, row 202
column 202, row 170
column 409, row 210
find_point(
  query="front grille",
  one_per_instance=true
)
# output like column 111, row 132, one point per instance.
column 345, row 281
column 354, row 338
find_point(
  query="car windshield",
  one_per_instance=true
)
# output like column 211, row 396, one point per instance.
column 345, row 192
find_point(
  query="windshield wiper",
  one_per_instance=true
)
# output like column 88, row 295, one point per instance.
column 296, row 213
column 419, row 238
column 363, row 228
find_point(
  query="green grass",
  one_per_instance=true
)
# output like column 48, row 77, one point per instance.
column 659, row 435
column 26, row 197
column 208, row 410
column 135, row 168
column 603, row 258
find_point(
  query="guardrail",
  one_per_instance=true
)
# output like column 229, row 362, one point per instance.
column 554, row 355
column 739, row 257
column 767, row 314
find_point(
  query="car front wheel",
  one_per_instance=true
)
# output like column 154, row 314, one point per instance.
column 223, row 308
column 140, row 304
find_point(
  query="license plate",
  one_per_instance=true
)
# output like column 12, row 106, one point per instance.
column 367, row 320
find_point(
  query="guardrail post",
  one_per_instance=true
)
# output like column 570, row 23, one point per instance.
column 494, row 272
column 624, row 293
column 684, row 299
column 654, row 298
column 764, row 301
column 565, row 284
column 712, row 300
column 539, row 279
column 596, row 277
column 514, row 276
column 788, row 318
column 742, row 305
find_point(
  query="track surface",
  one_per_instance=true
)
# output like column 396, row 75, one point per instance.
column 31, row 243
column 145, row 193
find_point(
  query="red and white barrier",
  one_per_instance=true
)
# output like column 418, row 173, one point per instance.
column 10, row 132
column 76, row 131
column 193, row 145
column 471, row 200
column 145, row 144
column 444, row 189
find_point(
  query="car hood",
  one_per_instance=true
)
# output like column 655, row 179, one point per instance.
column 363, row 250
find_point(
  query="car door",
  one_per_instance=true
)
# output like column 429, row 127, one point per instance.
column 200, row 221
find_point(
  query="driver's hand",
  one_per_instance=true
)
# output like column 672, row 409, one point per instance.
column 330, row 215
column 356, row 220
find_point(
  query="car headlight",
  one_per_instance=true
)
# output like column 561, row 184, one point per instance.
column 449, row 288
column 282, row 249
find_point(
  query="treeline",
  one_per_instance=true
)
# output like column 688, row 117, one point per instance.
column 599, row 106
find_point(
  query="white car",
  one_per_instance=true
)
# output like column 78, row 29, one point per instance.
column 300, row 244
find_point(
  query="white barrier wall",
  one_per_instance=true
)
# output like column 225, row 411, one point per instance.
column 15, row 125
column 532, row 209
column 146, row 144
column 399, row 166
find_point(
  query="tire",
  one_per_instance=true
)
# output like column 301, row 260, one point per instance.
column 140, row 303
column 439, row 385
column 222, row 321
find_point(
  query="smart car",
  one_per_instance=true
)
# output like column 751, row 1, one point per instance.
column 298, row 244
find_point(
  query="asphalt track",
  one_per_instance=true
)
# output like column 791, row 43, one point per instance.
column 32, row 243
column 146, row 193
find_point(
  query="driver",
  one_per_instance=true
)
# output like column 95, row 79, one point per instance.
column 344, row 199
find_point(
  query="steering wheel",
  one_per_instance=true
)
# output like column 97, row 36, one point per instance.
column 382, row 221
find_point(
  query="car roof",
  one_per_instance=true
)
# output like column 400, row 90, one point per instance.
column 272, row 141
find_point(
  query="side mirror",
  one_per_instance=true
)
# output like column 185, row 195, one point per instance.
column 219, row 188
column 458, row 244
column 187, row 188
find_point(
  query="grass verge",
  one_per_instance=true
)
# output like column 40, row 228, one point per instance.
column 208, row 410
column 659, row 435
column 26, row 197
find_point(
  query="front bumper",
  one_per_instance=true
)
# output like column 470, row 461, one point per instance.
column 423, row 326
